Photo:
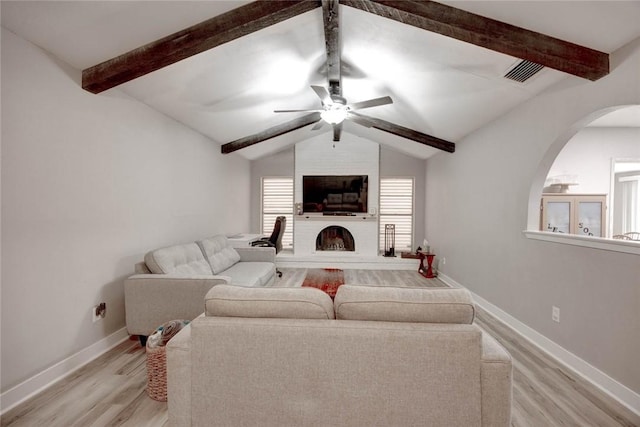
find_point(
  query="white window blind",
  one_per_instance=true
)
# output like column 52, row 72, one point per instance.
column 277, row 200
column 396, row 207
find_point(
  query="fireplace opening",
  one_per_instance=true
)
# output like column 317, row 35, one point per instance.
column 335, row 238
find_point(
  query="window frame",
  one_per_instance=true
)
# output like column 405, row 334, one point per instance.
column 411, row 215
column 287, row 238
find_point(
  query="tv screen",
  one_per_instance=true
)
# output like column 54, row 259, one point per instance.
column 334, row 193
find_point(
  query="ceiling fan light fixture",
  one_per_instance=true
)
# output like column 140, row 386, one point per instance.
column 335, row 114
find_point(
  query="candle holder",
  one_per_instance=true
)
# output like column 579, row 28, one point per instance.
column 390, row 240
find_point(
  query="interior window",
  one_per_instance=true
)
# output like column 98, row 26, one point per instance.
column 601, row 161
column 588, row 164
column 625, row 215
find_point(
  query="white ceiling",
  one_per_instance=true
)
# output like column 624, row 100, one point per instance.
column 439, row 86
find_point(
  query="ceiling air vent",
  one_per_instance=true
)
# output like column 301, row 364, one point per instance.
column 523, row 71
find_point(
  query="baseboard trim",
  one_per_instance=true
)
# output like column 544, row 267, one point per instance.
column 28, row 388
column 604, row 382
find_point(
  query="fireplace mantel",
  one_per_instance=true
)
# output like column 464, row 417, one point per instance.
column 337, row 218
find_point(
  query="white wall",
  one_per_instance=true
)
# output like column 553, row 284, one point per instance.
column 89, row 184
column 278, row 164
column 589, row 154
column 478, row 204
column 396, row 164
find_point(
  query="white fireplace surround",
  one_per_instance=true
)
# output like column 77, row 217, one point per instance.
column 349, row 156
column 363, row 228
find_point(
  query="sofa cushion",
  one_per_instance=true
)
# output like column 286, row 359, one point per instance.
column 251, row 273
column 221, row 256
column 290, row 303
column 184, row 259
column 391, row 304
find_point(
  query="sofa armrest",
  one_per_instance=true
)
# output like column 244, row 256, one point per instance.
column 153, row 299
column 141, row 268
column 496, row 380
column 179, row 378
column 257, row 253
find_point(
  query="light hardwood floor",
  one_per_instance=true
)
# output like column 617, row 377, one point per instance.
column 110, row 391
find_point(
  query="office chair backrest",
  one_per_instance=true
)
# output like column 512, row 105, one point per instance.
column 278, row 231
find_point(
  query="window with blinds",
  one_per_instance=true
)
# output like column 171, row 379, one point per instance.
column 396, row 207
column 277, row 200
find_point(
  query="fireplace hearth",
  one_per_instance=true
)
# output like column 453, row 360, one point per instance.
column 335, row 238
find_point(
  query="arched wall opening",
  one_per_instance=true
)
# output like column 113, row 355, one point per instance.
column 576, row 135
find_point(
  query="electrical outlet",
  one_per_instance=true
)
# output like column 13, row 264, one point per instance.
column 555, row 314
column 444, row 261
column 99, row 312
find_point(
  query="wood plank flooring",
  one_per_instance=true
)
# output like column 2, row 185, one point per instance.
column 110, row 391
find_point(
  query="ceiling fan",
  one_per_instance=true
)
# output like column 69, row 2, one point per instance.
column 335, row 110
column 334, row 107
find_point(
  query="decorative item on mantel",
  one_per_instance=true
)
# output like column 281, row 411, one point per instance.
column 390, row 240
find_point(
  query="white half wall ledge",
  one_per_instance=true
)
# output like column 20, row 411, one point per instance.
column 595, row 376
column 626, row 246
column 39, row 382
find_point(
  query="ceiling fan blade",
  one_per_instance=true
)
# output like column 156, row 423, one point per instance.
column 362, row 121
column 272, row 132
column 371, row 103
column 298, row 111
column 323, row 94
column 411, row 134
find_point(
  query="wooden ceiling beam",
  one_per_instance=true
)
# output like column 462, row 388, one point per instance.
column 414, row 135
column 491, row 34
column 198, row 38
column 272, row 132
column 331, row 20
column 331, row 17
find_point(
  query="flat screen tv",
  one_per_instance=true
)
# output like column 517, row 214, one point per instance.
column 335, row 193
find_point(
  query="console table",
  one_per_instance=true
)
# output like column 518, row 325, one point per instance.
column 426, row 272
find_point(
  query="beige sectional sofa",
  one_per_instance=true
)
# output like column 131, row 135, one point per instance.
column 171, row 282
column 376, row 356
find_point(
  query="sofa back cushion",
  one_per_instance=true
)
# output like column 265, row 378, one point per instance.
column 391, row 304
column 291, row 303
column 184, row 260
column 350, row 198
column 219, row 253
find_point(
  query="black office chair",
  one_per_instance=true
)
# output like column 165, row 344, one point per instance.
column 275, row 240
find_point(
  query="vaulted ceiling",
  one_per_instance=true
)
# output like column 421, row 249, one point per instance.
column 234, row 62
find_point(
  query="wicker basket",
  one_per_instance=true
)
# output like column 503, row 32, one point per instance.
column 157, row 373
